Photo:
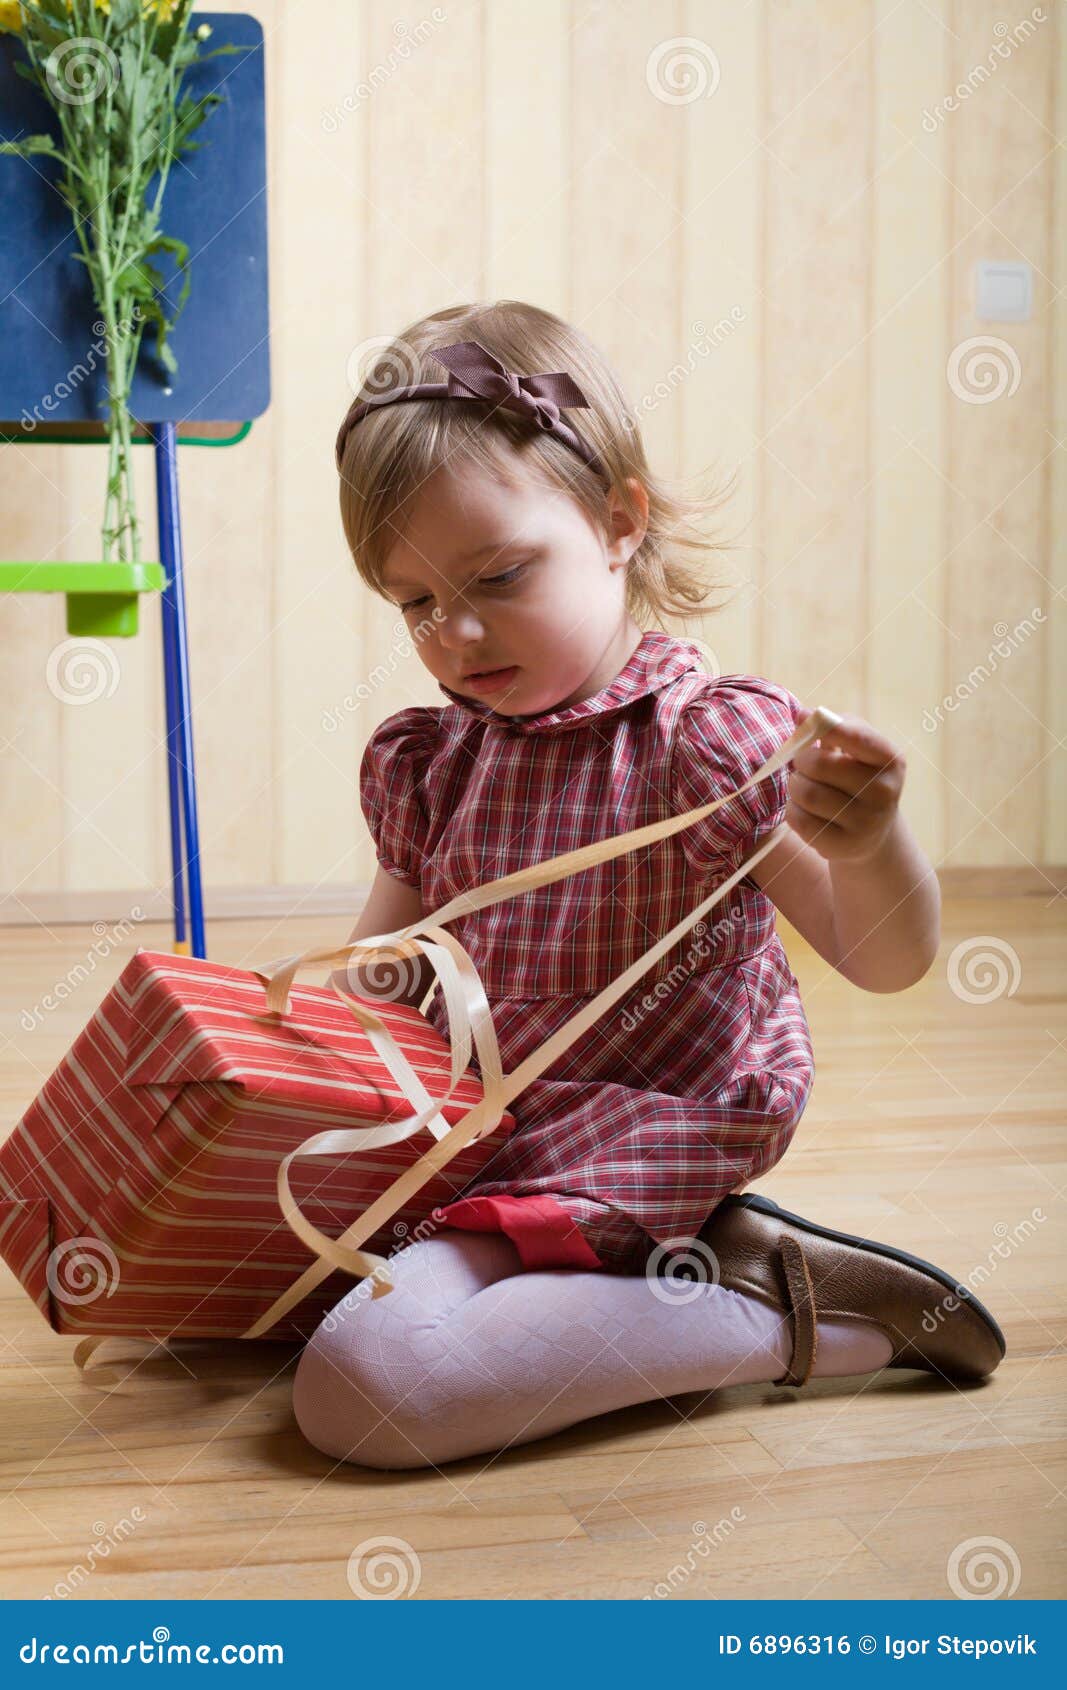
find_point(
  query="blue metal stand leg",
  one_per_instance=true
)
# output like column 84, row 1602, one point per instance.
column 170, row 693
column 180, row 724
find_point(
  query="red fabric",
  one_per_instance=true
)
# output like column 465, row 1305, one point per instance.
column 539, row 1227
column 695, row 1083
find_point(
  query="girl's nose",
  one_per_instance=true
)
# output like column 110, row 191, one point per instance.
column 459, row 626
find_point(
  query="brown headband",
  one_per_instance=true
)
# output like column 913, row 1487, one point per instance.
column 474, row 373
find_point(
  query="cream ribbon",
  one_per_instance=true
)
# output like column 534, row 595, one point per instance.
column 469, row 1017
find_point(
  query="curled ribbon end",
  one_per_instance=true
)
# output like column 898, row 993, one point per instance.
column 823, row 719
column 276, row 1004
column 104, row 1378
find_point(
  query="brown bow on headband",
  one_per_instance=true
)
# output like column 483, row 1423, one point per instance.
column 474, row 373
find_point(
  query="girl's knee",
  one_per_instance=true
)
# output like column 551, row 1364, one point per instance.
column 349, row 1403
column 380, row 1382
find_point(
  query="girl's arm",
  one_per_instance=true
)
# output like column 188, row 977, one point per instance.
column 390, row 904
column 851, row 877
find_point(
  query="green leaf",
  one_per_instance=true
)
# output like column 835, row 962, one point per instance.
column 171, row 244
column 27, row 73
column 33, row 145
column 216, row 52
column 180, row 253
column 189, row 117
column 54, row 13
column 47, row 24
column 140, row 279
column 153, row 314
column 131, row 89
column 125, row 14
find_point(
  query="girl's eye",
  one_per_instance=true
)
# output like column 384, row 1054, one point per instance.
column 504, row 580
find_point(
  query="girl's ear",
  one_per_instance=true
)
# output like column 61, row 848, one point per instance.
column 627, row 531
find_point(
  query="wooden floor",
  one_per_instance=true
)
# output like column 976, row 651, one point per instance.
column 936, row 1123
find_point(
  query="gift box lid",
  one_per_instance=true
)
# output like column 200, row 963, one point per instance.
column 189, row 1020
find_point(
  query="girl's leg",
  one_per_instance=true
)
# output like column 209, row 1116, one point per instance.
column 469, row 1354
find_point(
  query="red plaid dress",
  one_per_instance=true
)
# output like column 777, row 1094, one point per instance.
column 694, row 1083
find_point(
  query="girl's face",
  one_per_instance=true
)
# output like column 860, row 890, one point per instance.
column 507, row 573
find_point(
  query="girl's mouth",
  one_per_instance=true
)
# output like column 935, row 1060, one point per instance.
column 492, row 680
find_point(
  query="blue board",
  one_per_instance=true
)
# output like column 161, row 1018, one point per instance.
column 215, row 200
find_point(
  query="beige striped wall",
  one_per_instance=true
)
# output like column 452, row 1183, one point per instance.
column 894, row 527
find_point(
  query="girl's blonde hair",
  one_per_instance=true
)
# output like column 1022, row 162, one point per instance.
column 390, row 453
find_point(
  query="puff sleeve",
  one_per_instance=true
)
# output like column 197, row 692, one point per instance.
column 721, row 739
column 391, row 792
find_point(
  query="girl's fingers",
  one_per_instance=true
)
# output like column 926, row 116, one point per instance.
column 860, row 740
column 832, row 768
column 880, row 787
column 826, row 836
column 822, row 803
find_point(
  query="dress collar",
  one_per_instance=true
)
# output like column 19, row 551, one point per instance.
column 656, row 661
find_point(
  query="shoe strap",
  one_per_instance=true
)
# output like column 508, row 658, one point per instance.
column 801, row 1294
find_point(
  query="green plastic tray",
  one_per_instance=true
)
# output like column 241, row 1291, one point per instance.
column 101, row 597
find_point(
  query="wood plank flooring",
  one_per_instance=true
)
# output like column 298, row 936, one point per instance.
column 936, row 1123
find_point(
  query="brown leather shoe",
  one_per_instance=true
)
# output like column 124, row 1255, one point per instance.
column 813, row 1273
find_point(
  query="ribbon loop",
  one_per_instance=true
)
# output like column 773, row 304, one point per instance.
column 474, row 373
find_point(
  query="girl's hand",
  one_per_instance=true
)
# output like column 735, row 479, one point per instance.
column 844, row 790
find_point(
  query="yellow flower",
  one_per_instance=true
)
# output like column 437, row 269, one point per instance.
column 11, row 20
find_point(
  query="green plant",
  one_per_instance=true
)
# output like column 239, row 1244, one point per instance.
column 111, row 70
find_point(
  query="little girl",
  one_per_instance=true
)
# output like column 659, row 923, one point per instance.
column 523, row 549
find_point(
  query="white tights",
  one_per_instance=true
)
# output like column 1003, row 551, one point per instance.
column 469, row 1354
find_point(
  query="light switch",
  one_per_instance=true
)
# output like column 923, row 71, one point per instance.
column 1004, row 293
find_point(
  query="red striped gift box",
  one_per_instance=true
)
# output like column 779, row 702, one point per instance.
column 138, row 1194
